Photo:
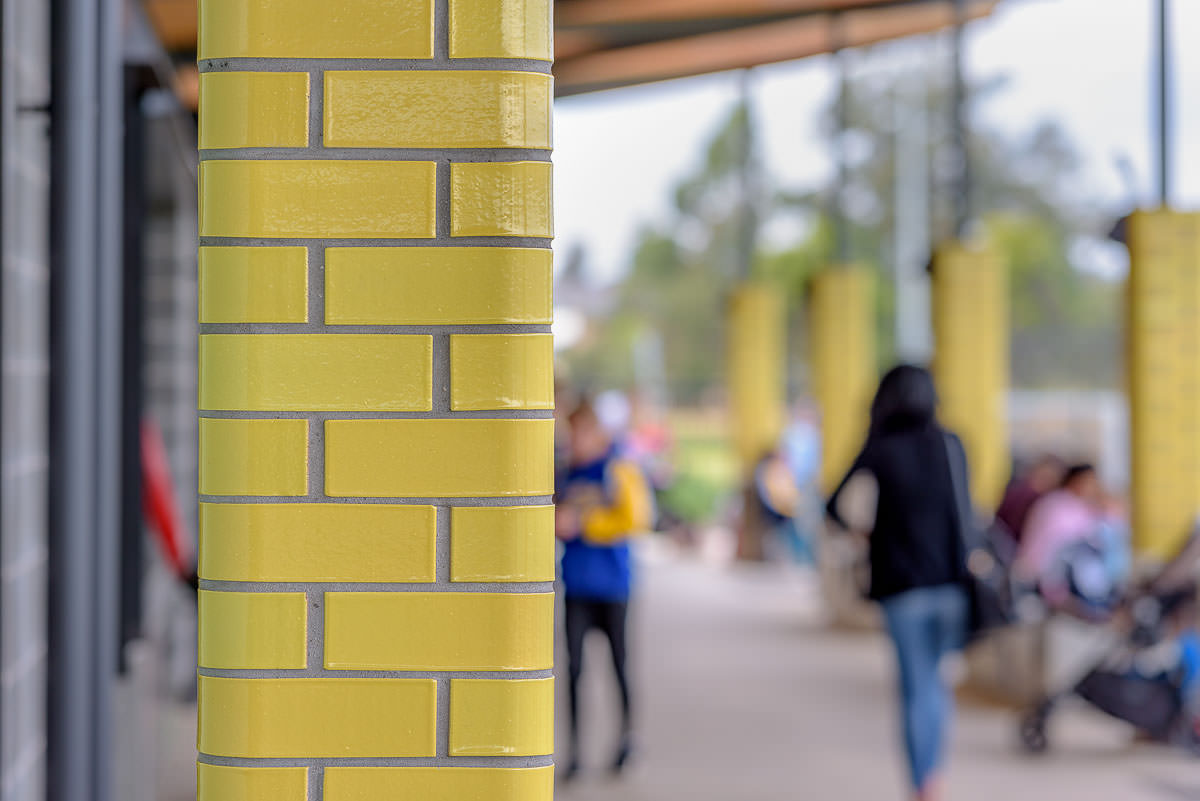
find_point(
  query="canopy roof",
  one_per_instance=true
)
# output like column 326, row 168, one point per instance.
column 603, row 44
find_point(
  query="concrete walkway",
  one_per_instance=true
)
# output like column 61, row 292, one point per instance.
column 745, row 696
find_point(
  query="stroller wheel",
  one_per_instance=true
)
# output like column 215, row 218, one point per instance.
column 1033, row 732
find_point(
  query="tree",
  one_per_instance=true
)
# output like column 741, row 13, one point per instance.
column 1066, row 322
column 679, row 274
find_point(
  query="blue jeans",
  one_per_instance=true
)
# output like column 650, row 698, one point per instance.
column 925, row 624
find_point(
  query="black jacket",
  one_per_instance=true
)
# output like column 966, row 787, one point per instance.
column 916, row 541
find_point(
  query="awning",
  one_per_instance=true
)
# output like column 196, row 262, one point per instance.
column 603, row 44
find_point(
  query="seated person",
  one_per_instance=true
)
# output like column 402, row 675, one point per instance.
column 782, row 501
column 1025, row 491
column 1073, row 542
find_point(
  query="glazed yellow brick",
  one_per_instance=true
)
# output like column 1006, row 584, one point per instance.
column 499, row 717
column 434, row 286
column 253, row 285
column 502, row 543
column 430, row 108
column 501, row 199
column 501, row 371
column 438, row 784
column 311, row 718
column 439, row 631
column 317, row 198
column 252, row 630
column 253, row 109
column 253, row 457
column 316, row 29
column 316, row 372
column 317, row 542
column 500, row 29
column 223, row 783
column 439, row 458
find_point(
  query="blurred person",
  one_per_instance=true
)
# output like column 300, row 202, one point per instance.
column 1025, row 490
column 604, row 501
column 802, row 445
column 917, row 557
column 801, row 449
column 781, row 501
column 1075, row 543
column 649, row 444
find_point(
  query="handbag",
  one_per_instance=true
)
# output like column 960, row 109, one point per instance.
column 986, row 581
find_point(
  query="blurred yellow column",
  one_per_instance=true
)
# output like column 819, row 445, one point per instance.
column 376, row 547
column 972, row 361
column 842, row 342
column 1163, row 350
column 757, row 370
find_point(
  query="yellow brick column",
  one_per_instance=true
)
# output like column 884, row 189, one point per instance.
column 845, row 373
column 376, row 563
column 972, row 361
column 1163, row 350
column 756, row 370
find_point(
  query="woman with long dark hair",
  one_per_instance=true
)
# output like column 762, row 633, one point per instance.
column 917, row 557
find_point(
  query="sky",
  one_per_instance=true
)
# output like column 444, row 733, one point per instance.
column 1085, row 64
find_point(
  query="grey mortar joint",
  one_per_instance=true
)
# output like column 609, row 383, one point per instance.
column 316, row 783
column 321, row 587
column 319, row 328
column 315, row 289
column 316, row 418
column 531, row 242
column 441, row 33
column 316, row 456
column 442, row 743
column 314, row 615
column 501, row 502
column 436, row 675
column 379, row 762
column 318, row 152
column 441, row 377
column 316, row 109
column 443, row 547
column 275, row 64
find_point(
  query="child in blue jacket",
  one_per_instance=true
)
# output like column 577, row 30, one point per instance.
column 604, row 500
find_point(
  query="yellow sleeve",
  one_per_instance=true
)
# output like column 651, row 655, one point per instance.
column 631, row 510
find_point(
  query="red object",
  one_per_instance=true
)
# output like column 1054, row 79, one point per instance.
column 158, row 500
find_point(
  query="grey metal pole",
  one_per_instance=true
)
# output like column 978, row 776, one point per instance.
column 841, row 226
column 71, row 769
column 748, row 178
column 914, row 334
column 109, row 266
column 1164, row 104
column 962, row 186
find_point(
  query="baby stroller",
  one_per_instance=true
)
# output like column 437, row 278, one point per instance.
column 1131, row 671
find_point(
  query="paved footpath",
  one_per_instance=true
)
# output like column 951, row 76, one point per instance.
column 745, row 696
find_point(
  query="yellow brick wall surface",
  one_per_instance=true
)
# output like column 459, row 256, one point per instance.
column 841, row 336
column 376, row 393
column 971, row 361
column 1163, row 373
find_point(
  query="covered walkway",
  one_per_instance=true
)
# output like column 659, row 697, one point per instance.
column 745, row 696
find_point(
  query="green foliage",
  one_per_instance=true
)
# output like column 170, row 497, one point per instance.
column 1065, row 323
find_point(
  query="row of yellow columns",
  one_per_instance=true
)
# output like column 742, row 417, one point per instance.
column 972, row 368
column 970, row 316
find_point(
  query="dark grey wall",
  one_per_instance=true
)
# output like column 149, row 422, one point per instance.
column 24, row 359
